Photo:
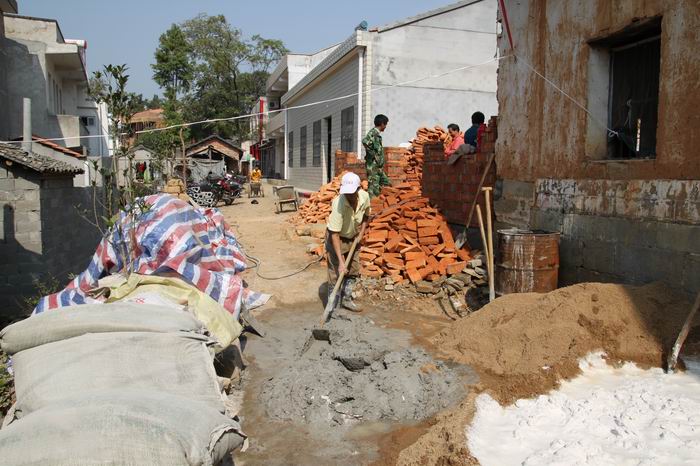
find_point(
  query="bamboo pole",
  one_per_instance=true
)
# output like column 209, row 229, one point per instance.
column 489, row 232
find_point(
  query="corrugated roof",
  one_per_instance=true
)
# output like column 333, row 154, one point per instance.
column 36, row 162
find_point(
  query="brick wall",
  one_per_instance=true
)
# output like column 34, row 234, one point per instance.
column 452, row 188
column 393, row 166
column 41, row 234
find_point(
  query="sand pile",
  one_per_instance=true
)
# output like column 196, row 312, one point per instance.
column 524, row 345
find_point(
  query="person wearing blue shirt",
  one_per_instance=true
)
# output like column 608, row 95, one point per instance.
column 470, row 135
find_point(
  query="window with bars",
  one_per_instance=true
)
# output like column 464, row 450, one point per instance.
column 290, row 148
column 347, row 129
column 316, row 161
column 302, row 147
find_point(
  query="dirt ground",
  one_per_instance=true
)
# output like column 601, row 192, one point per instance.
column 512, row 353
column 294, row 309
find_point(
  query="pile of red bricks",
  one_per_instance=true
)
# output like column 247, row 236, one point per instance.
column 317, row 208
column 408, row 239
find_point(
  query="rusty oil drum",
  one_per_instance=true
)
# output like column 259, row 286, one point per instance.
column 527, row 261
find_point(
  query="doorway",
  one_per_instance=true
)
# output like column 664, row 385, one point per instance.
column 329, row 154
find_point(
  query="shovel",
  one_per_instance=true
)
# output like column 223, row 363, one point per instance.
column 673, row 357
column 331, row 299
column 321, row 334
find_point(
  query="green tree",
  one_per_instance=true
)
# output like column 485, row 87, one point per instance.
column 173, row 70
column 109, row 86
column 155, row 102
column 230, row 72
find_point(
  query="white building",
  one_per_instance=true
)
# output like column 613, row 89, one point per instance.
column 381, row 70
column 40, row 64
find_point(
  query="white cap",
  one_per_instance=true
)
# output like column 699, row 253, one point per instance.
column 350, row 183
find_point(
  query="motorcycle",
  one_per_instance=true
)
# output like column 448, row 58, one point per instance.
column 214, row 189
column 227, row 190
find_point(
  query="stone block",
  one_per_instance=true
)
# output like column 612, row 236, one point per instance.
column 28, row 226
column 677, row 237
column 690, row 278
column 599, row 256
column 550, row 220
column 25, row 183
column 518, row 189
column 570, row 253
column 643, row 265
column 7, row 184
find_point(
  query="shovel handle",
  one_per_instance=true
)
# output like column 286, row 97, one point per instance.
column 331, row 299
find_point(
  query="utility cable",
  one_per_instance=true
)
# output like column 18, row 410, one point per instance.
column 286, row 109
column 257, row 262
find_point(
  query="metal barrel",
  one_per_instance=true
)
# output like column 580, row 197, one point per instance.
column 527, row 261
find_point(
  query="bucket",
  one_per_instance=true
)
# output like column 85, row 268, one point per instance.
column 528, row 261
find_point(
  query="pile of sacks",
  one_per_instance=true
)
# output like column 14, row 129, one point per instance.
column 118, row 367
column 118, row 383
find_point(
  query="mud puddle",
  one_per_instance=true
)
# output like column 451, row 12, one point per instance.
column 336, row 402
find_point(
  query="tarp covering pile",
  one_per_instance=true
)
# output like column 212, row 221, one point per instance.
column 167, row 237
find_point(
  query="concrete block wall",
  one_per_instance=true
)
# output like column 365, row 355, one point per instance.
column 68, row 238
column 20, row 236
column 42, row 236
column 452, row 188
column 622, row 231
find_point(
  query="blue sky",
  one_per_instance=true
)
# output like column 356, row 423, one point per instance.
column 126, row 31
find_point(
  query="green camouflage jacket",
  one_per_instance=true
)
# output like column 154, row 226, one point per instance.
column 374, row 148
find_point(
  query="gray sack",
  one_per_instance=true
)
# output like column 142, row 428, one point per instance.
column 64, row 323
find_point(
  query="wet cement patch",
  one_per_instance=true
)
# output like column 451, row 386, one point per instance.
column 359, row 375
column 306, row 434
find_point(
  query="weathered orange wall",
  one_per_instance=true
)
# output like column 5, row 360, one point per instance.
column 542, row 134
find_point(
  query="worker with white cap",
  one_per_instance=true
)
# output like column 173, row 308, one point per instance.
column 349, row 217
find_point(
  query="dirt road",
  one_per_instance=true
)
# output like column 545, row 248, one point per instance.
column 293, row 310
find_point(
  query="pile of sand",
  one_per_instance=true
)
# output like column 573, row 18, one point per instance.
column 524, row 345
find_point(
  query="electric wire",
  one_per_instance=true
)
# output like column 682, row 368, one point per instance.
column 286, row 109
column 257, row 262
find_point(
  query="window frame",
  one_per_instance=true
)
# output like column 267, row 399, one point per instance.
column 290, row 149
column 316, row 144
column 302, row 147
column 347, row 141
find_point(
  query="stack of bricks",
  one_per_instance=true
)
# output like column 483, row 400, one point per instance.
column 317, row 208
column 408, row 239
column 452, row 188
column 348, row 162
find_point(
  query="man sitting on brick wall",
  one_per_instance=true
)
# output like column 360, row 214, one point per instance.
column 457, row 139
column 374, row 156
column 471, row 136
column 349, row 217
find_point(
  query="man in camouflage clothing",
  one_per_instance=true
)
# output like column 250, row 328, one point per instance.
column 374, row 158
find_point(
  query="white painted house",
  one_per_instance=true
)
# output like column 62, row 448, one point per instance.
column 381, row 70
